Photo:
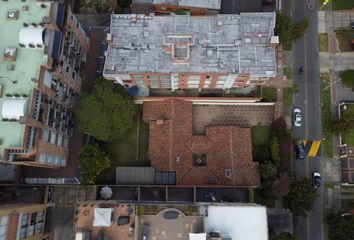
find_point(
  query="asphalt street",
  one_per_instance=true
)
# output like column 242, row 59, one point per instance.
column 308, row 99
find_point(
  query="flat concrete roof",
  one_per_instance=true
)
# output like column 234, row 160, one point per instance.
column 196, row 44
column 238, row 222
column 208, row 4
column 25, row 67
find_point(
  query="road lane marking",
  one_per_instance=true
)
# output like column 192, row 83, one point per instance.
column 314, row 148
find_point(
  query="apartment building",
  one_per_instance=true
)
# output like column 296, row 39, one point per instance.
column 192, row 7
column 44, row 54
column 191, row 52
column 22, row 221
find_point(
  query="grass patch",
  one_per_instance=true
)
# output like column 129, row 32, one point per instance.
column 343, row 37
column 347, row 114
column 329, row 185
column 288, row 46
column 342, row 4
column 126, row 152
column 326, row 116
column 347, row 203
column 288, row 96
column 347, row 193
column 261, row 135
column 250, row 195
column 269, row 94
column 323, row 38
column 325, row 231
column 288, row 72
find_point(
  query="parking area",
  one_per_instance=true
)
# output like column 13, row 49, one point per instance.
column 152, row 194
column 238, row 6
column 66, row 196
column 335, row 19
column 120, row 193
column 158, row 227
column 221, row 195
column 180, row 194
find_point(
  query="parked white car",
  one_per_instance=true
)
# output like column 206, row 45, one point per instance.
column 297, row 117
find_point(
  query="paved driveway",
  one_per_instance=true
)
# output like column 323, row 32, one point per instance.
column 336, row 19
column 160, row 228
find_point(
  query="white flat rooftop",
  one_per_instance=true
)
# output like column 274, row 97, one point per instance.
column 238, row 222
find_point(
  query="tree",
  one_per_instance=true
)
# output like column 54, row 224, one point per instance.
column 283, row 28
column 347, row 78
column 301, row 197
column 261, row 153
column 274, row 151
column 299, row 28
column 340, row 227
column 107, row 113
column 285, row 236
column 93, row 160
column 268, row 170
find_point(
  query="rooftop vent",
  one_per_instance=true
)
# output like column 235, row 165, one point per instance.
column 228, row 173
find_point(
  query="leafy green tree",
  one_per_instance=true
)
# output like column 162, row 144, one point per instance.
column 340, row 227
column 301, row 197
column 107, row 113
column 93, row 160
column 261, row 153
column 268, row 170
column 283, row 28
column 347, row 78
column 299, row 28
column 275, row 151
column 285, row 236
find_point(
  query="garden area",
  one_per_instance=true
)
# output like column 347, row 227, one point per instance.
column 348, row 115
column 326, row 116
column 343, row 37
column 269, row 94
column 132, row 150
column 342, row 4
column 272, row 148
column 119, row 136
column 323, row 42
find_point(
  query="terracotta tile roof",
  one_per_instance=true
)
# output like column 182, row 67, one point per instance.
column 172, row 145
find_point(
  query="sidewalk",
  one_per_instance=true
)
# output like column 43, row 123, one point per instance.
column 279, row 82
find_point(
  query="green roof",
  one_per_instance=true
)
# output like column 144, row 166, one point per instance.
column 26, row 66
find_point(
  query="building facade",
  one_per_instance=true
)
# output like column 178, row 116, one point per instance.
column 185, row 52
column 22, row 221
column 40, row 78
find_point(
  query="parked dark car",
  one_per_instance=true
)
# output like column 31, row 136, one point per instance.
column 300, row 150
column 352, row 25
column 123, row 220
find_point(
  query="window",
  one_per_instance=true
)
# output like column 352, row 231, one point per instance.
column 23, row 232
column 31, row 230
column 45, row 135
column 40, row 216
column 4, row 221
column 24, row 219
column 163, row 8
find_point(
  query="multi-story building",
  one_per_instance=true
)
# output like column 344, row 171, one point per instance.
column 44, row 54
column 191, row 52
column 193, row 7
column 22, row 221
